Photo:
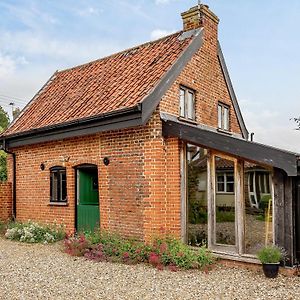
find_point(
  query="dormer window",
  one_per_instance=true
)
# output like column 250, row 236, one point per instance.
column 223, row 116
column 187, row 103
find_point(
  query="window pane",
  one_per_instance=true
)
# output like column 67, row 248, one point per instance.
column 58, row 184
column 221, row 187
column 224, row 203
column 63, row 186
column 230, row 187
column 226, row 118
column 220, row 178
column 219, row 116
column 190, row 106
column 58, row 197
column 196, row 174
column 182, row 103
column 258, row 208
column 230, row 178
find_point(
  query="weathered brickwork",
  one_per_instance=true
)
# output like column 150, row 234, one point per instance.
column 5, row 201
column 139, row 190
column 204, row 75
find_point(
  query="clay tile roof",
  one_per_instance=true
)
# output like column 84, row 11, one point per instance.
column 109, row 84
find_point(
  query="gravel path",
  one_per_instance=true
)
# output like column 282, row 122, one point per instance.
column 44, row 272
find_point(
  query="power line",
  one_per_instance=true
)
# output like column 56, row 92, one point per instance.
column 13, row 100
column 12, row 97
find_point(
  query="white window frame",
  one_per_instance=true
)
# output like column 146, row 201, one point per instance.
column 222, row 117
column 225, row 175
column 185, row 110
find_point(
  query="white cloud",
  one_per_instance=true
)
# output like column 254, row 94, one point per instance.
column 8, row 64
column 270, row 127
column 71, row 51
column 158, row 2
column 89, row 11
column 158, row 33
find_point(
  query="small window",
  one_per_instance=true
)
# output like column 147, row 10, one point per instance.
column 58, row 184
column 225, row 182
column 187, row 103
column 223, row 116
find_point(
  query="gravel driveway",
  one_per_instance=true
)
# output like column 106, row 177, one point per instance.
column 44, row 272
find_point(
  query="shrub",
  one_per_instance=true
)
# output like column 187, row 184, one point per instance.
column 270, row 254
column 31, row 232
column 173, row 252
column 76, row 245
column 164, row 252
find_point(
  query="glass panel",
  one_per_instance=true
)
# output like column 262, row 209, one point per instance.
column 258, row 208
column 225, row 203
column 54, row 190
column 219, row 116
column 190, row 106
column 182, row 103
column 226, row 118
column 63, row 186
column 197, row 195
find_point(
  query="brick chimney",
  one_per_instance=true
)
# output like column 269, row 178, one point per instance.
column 198, row 16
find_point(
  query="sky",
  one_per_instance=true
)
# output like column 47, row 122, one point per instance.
column 260, row 42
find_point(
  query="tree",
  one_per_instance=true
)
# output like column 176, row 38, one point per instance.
column 16, row 112
column 4, row 119
column 4, row 122
column 297, row 120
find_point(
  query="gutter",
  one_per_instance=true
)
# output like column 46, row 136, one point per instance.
column 123, row 118
column 14, row 195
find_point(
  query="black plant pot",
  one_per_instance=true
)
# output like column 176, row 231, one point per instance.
column 271, row 270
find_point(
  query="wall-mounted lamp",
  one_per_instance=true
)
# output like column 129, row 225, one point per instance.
column 42, row 166
column 106, row 161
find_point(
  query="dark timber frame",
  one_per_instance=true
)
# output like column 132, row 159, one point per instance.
column 285, row 181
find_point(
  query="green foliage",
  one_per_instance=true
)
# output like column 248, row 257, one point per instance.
column 163, row 252
column 264, row 202
column 3, row 166
column 225, row 216
column 31, row 232
column 4, row 119
column 174, row 252
column 270, row 254
column 4, row 122
column 197, row 213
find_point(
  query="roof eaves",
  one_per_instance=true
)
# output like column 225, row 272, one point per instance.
column 253, row 152
column 120, row 119
column 150, row 102
column 232, row 93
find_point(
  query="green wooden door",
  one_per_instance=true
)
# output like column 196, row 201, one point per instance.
column 88, row 217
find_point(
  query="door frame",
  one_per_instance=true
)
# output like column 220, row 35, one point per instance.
column 76, row 178
column 238, row 248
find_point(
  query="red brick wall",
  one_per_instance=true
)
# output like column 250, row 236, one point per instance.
column 139, row 190
column 204, row 75
column 5, row 201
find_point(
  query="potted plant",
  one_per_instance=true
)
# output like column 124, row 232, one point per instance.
column 270, row 257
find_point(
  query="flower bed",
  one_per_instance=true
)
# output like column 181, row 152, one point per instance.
column 31, row 232
column 162, row 253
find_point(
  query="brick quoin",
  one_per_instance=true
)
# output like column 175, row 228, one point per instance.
column 139, row 191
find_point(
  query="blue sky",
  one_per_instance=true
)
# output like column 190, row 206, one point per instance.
column 260, row 41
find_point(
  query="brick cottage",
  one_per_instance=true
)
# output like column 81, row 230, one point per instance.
column 152, row 139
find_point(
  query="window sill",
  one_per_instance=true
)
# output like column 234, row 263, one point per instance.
column 182, row 119
column 224, row 131
column 58, row 204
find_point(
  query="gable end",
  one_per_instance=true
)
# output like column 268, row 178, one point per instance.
column 233, row 97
